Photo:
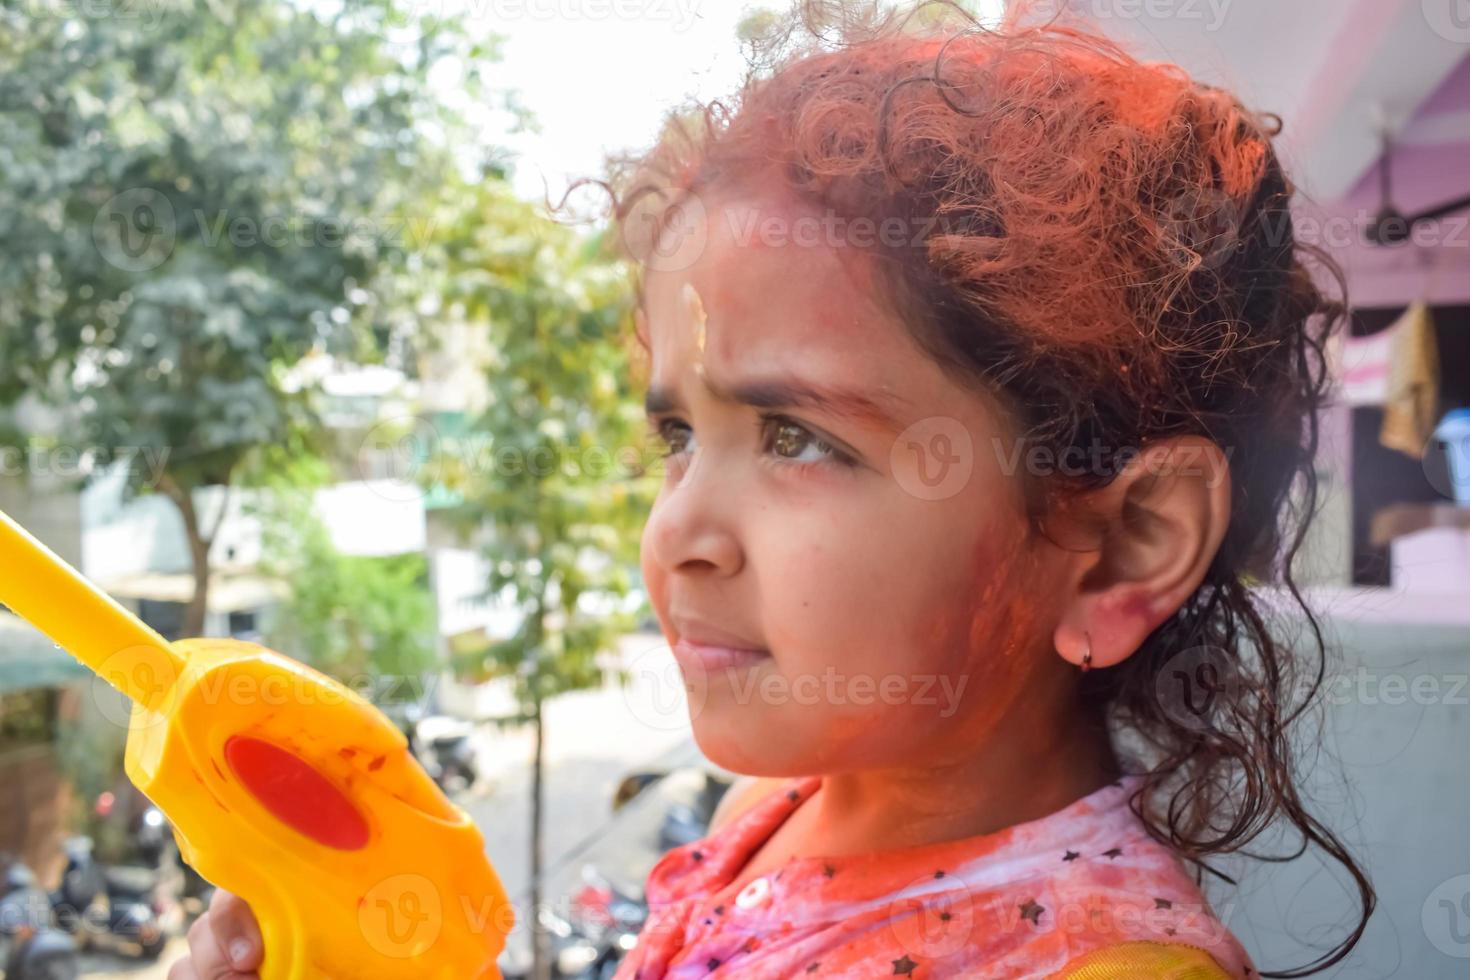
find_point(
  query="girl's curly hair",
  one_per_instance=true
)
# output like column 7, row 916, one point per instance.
column 1107, row 245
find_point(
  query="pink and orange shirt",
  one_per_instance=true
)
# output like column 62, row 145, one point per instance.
column 1048, row 897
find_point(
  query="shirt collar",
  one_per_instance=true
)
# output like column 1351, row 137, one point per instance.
column 1098, row 826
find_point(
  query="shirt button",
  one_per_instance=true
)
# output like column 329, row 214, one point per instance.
column 753, row 894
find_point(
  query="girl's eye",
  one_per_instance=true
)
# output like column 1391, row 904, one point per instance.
column 785, row 438
column 789, row 439
column 674, row 434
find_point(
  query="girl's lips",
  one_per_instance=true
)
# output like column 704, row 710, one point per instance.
column 709, row 657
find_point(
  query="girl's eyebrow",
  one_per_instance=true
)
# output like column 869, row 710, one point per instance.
column 791, row 392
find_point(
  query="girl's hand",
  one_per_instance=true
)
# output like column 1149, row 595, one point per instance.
column 224, row 943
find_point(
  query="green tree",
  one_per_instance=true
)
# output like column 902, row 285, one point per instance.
column 544, row 469
column 359, row 618
column 194, row 196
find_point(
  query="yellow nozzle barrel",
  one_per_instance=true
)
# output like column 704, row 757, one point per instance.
column 82, row 619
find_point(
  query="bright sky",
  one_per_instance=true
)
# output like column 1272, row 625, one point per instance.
column 599, row 75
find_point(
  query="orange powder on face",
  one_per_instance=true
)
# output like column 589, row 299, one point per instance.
column 1000, row 618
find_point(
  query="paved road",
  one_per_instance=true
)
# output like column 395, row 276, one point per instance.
column 593, row 739
column 105, row 965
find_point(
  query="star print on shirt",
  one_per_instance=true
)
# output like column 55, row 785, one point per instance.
column 810, row 908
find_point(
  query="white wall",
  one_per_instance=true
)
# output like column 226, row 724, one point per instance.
column 1391, row 780
column 374, row 517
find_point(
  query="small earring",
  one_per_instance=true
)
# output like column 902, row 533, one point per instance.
column 1086, row 664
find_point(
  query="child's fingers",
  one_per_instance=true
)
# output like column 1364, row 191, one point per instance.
column 183, row 970
column 206, row 960
column 236, row 932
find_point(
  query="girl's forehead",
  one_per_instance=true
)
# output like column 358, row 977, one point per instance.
column 746, row 306
column 756, row 287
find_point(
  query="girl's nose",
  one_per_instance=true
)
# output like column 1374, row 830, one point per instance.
column 692, row 526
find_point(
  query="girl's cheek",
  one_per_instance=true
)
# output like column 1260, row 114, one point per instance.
column 1008, row 626
column 986, row 614
column 654, row 580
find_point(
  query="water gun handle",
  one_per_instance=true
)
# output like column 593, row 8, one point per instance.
column 284, row 787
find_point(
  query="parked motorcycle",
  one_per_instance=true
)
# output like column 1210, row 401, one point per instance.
column 608, row 920
column 123, row 903
column 30, row 947
column 653, row 810
column 443, row 745
column 449, row 744
column 156, row 848
column 574, row 954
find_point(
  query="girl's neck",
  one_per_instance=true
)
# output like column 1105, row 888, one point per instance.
column 1009, row 780
column 880, row 810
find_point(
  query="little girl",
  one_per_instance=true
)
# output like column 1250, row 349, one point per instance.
column 987, row 365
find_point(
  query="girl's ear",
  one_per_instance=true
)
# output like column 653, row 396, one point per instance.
column 1160, row 522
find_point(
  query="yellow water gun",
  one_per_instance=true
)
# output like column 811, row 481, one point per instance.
column 284, row 787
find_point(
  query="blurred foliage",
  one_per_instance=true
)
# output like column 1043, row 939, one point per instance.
column 361, row 619
column 90, row 758
column 27, row 717
column 198, row 195
column 542, row 472
column 193, row 196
